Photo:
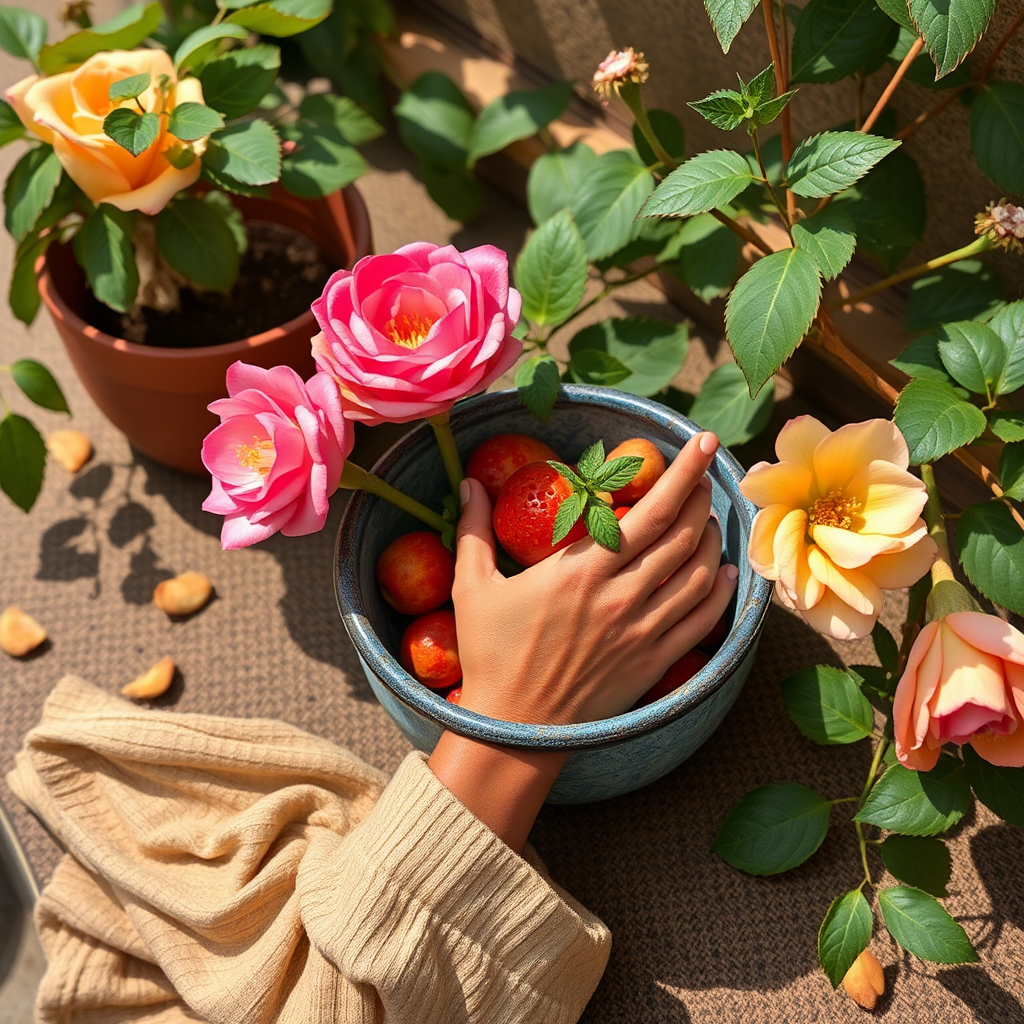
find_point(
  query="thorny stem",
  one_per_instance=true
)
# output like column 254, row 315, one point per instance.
column 355, row 478
column 441, row 425
column 747, row 234
column 771, row 191
column 781, row 84
column 897, row 77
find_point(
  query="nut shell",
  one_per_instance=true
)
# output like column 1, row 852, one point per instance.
column 20, row 634
column 153, row 682
column 184, row 594
column 71, row 448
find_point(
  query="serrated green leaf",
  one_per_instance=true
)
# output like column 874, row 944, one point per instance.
column 921, row 926
column 769, row 311
column 727, row 18
column 551, row 271
column 30, row 188
column 668, row 130
column 282, row 18
column 353, row 123
column 835, row 38
column 827, row 706
column 569, row 473
column 950, row 28
column 320, row 162
column 568, row 513
column 601, row 523
column 724, row 406
column 725, row 109
column 131, row 130
column 653, row 350
column 886, row 648
column 918, row 803
column 920, row 861
column 248, row 152
column 130, row 87
column 1007, row 426
column 435, row 120
column 997, row 133
column 516, row 115
column 973, row 354
column 125, row 31
column 898, row 11
column 38, row 384
column 991, row 549
column 1001, row 790
column 921, row 359
column 191, row 121
column 830, row 237
column 825, row 164
column 591, row 460
column 965, row 290
column 769, row 110
column 235, row 82
column 876, row 679
column 1011, row 470
column 22, row 32
column 922, row 70
column 11, row 127
column 455, row 189
column 537, row 383
column 195, row 239
column 705, row 254
column 606, row 207
column 772, row 829
column 703, row 183
column 199, row 46
column 1008, row 323
column 844, row 934
column 935, row 420
column 22, row 460
column 616, row 473
column 556, row 178
column 104, row 250
column 597, row 367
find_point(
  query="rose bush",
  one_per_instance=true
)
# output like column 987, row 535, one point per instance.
column 408, row 334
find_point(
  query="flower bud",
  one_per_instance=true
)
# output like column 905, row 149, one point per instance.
column 864, row 981
column 1003, row 223
column 620, row 67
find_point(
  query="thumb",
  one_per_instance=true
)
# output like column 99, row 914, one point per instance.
column 474, row 540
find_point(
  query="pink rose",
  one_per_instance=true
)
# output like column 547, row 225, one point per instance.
column 277, row 456
column 409, row 334
column 964, row 683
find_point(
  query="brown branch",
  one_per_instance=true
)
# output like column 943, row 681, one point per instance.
column 781, row 85
column 747, row 234
column 897, row 77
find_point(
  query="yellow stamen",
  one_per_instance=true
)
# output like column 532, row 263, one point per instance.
column 409, row 330
column 258, row 456
column 833, row 510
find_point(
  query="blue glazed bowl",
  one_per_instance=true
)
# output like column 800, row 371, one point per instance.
column 611, row 756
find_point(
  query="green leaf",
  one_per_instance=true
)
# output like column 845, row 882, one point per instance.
column 123, row 32
column 898, row 11
column 568, row 513
column 769, row 312
column 921, row 926
column 1008, row 323
column 199, row 46
column 591, row 460
column 601, row 523
column 30, row 188
column 235, row 82
column 555, row 180
column 130, row 130
column 321, row 162
column 1011, row 470
column 761, row 87
column 844, row 934
column 921, row 359
column 1001, row 790
column 551, row 272
column 703, row 183
column 435, row 120
column 886, row 648
column 773, row 829
column 827, row 706
column 454, row 189
column 668, row 130
column 282, row 17
column 537, row 382
column 727, row 18
column 991, row 549
column 594, row 366
column 935, row 420
column 950, row 28
column 965, row 290
column 922, row 70
column 769, row 110
column 568, row 473
column 706, row 256
column 825, row 164
column 650, row 240
column 918, row 803
column 920, row 861
column 104, row 250
column 997, row 133
column 875, row 679
column 232, row 217
column 191, row 121
column 516, row 115
column 653, row 350
column 249, row 153
column 973, row 354
column 38, row 384
column 22, row 460
column 723, row 405
column 23, row 293
column 354, row 125
column 129, row 88
column 11, row 127
column 1007, row 426
column 607, row 205
column 22, row 32
column 830, row 237
column 725, row 109
column 616, row 473
column 835, row 38
column 195, row 239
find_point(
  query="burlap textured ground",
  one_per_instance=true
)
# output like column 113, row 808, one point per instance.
column 694, row 940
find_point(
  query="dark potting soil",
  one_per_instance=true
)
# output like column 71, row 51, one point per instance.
column 281, row 273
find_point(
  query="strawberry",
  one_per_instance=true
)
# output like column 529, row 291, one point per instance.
column 496, row 459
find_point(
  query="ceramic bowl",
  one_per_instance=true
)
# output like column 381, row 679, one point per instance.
column 609, row 757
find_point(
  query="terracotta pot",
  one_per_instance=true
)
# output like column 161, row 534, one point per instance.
column 158, row 396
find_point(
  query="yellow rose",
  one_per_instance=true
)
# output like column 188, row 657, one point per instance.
column 67, row 111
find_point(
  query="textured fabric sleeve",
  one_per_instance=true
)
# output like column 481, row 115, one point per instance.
column 434, row 918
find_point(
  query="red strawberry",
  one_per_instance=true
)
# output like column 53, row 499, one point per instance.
column 524, row 516
column 496, row 459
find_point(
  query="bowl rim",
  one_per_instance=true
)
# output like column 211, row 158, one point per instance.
column 743, row 637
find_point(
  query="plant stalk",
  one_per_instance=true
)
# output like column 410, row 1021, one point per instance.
column 747, row 234
column 897, row 77
column 781, row 85
column 355, row 478
column 449, row 452
column 783, row 213
column 942, row 568
column 631, row 95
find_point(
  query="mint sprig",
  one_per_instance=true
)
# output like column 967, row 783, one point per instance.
column 591, row 476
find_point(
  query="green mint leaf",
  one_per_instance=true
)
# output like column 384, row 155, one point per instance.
column 615, row 474
column 569, row 474
column 844, row 934
column 248, row 152
column 30, row 188
column 591, row 460
column 129, row 88
column 567, row 515
column 196, row 49
column 602, row 524
column 516, row 115
column 38, row 385
column 761, row 87
column 725, row 109
column 770, row 109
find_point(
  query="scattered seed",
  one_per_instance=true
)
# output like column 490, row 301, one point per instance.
column 20, row 634
column 184, row 594
column 151, row 683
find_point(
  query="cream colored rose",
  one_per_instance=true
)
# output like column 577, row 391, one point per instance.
column 67, row 111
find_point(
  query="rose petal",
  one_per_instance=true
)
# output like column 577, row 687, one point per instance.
column 840, row 455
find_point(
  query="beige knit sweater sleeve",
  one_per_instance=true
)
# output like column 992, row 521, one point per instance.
column 241, row 871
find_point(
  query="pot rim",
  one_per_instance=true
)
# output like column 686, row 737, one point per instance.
column 359, row 223
column 753, row 595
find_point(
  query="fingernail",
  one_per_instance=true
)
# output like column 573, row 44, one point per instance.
column 464, row 492
column 708, row 443
column 732, row 573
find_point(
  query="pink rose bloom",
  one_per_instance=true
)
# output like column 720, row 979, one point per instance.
column 409, row 334
column 277, row 456
column 964, row 683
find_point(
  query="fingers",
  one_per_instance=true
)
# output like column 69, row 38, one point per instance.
column 693, row 627
column 689, row 584
column 475, row 547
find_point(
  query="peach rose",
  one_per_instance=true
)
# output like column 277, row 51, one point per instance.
column 840, row 522
column 67, row 111
column 964, row 683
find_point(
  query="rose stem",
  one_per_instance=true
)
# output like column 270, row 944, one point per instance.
column 449, row 453
column 781, row 85
column 897, row 77
column 355, row 478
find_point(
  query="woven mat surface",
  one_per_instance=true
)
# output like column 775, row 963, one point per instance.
column 694, row 940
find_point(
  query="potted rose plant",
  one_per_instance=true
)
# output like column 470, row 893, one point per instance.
column 173, row 210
